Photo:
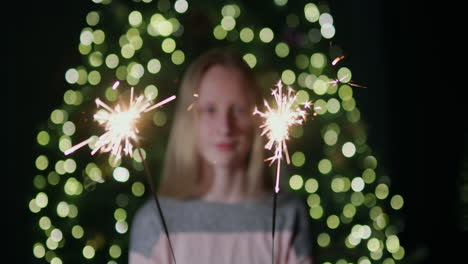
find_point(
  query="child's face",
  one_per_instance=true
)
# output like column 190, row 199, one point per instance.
column 224, row 127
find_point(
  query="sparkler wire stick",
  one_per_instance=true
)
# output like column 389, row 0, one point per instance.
column 155, row 196
column 276, row 127
column 120, row 126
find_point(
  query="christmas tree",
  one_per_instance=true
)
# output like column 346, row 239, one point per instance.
column 83, row 204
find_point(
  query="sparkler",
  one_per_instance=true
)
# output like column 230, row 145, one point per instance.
column 276, row 127
column 120, row 125
column 121, row 133
column 277, row 123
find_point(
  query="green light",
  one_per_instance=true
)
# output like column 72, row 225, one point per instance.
column 320, row 86
column 302, row 61
column 82, row 76
column 296, row 182
column 349, row 105
column 321, row 107
column 344, row 75
column 127, row 51
column 115, row 251
column 288, row 77
column 181, row 6
column 120, row 214
column 392, row 243
column 39, row 250
column 354, row 115
column 88, row 252
column 298, row 159
column 228, row 23
column 121, row 174
column 313, row 200
column 151, row 92
column 136, row 70
column 349, row 210
column 135, row 18
column 71, row 76
column 53, row 178
column 368, row 175
column 168, row 45
column 246, row 35
column 318, row 60
column 330, row 137
column 373, row 244
column 333, row 106
column 159, row 118
column 64, row 143
column 397, row 202
column 333, row 221
column 345, row 92
column 357, row 198
column 73, row 186
column 282, row 50
column 323, row 239
column 311, row 185
column 112, row 61
column 357, row 184
column 92, row 18
column 71, row 97
column 94, row 78
column 98, row 37
column 43, row 138
column 42, row 199
column 370, row 162
column 39, row 182
column 325, row 166
column 219, row 32
column 58, row 116
column 154, row 66
column 316, row 212
column 266, row 35
column 381, row 191
column 178, row 57
column 250, row 59
column 311, row 12
column 77, row 231
column 68, row 128
column 86, row 36
column 121, row 72
column 63, row 209
column 138, row 189
column 164, row 28
column 231, row 10
column 337, row 184
column 42, row 162
column 72, row 211
column 302, row 97
column 84, row 49
column 348, row 149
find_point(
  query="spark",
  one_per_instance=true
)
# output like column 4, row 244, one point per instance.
column 119, row 124
column 115, row 85
column 277, row 122
column 337, row 59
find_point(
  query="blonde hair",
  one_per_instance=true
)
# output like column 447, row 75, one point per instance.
column 180, row 174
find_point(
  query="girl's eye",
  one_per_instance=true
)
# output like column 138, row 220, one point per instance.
column 238, row 110
column 209, row 109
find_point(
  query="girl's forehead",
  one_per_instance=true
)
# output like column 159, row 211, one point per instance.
column 224, row 83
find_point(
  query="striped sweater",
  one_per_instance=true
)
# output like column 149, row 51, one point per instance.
column 213, row 232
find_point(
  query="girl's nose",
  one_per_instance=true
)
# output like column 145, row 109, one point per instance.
column 224, row 124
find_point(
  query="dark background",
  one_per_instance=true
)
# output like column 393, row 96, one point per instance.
column 399, row 52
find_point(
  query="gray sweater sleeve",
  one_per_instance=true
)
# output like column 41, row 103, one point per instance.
column 145, row 230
